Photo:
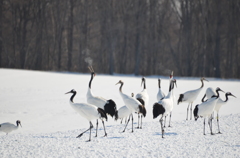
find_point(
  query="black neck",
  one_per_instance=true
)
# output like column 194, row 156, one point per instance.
column 90, row 82
column 71, row 99
column 202, row 84
column 144, row 84
column 159, row 83
column 216, row 96
column 120, row 88
column 204, row 98
column 226, row 97
column 171, row 85
column 217, row 93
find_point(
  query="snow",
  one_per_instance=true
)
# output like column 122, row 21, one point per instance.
column 50, row 125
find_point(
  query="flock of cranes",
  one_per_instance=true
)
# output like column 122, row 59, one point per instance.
column 100, row 108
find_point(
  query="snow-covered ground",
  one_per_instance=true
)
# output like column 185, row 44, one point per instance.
column 50, row 125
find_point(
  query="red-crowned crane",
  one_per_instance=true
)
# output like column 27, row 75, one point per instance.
column 108, row 106
column 190, row 97
column 9, row 127
column 205, row 109
column 164, row 106
column 143, row 97
column 210, row 92
column 132, row 104
column 88, row 111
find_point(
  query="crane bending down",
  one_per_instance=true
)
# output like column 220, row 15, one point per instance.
column 142, row 97
column 9, row 127
column 164, row 106
column 88, row 111
column 220, row 102
column 205, row 110
column 190, row 97
column 132, row 104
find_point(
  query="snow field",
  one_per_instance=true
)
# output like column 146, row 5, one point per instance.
column 50, row 125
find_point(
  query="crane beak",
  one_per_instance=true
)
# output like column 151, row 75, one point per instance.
column 205, row 80
column 68, row 92
column 233, row 95
column 222, row 91
column 20, row 124
column 118, row 83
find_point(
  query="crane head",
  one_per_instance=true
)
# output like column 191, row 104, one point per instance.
column 72, row 91
column 218, row 89
column 132, row 94
column 143, row 80
column 204, row 79
column 18, row 123
column 91, row 70
column 230, row 94
column 119, row 82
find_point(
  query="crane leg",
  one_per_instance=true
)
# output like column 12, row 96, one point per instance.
column 104, row 129
column 204, row 127
column 161, row 123
column 210, row 124
column 90, row 132
column 170, row 119
column 126, row 123
column 96, row 127
column 141, row 122
column 138, row 120
column 165, row 121
column 218, row 124
column 132, row 123
column 91, row 126
column 187, row 111
column 191, row 112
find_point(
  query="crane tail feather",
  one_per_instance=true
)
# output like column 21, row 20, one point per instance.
column 195, row 112
column 142, row 110
column 110, row 108
column 141, row 101
column 116, row 115
column 158, row 109
column 102, row 113
column 180, row 99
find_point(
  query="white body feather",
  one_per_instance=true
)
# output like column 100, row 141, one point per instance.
column 191, row 95
column 86, row 110
column 205, row 109
column 94, row 100
column 131, row 103
column 123, row 112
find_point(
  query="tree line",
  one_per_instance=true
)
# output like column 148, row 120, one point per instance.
column 141, row 37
